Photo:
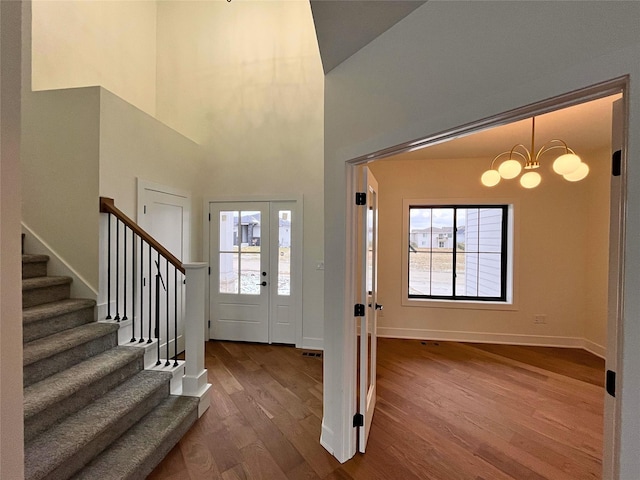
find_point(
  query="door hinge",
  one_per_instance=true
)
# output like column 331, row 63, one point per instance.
column 361, row 198
column 358, row 420
column 145, row 210
column 209, row 217
column 611, row 383
column 209, row 324
column 616, row 163
column 358, row 310
column 209, row 270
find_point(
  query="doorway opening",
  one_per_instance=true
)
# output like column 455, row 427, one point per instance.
column 614, row 232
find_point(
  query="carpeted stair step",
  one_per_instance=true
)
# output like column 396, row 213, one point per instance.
column 64, row 449
column 34, row 266
column 49, row 318
column 66, row 392
column 36, row 291
column 141, row 449
column 47, row 356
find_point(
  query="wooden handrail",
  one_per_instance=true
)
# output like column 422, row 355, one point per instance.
column 107, row 206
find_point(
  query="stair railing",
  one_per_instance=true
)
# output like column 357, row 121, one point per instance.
column 156, row 307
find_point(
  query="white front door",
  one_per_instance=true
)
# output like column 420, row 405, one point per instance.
column 368, row 215
column 252, row 296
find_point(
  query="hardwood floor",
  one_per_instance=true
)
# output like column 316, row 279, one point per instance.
column 446, row 411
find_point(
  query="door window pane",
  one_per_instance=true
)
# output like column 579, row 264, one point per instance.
column 228, row 273
column 250, row 274
column 249, row 231
column 284, row 252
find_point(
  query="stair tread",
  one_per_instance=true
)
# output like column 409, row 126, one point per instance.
column 42, row 282
column 41, row 395
column 141, row 441
column 55, row 446
column 65, row 340
column 55, row 309
column 34, row 258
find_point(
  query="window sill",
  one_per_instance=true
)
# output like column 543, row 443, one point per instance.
column 459, row 304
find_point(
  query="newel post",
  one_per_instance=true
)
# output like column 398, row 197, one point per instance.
column 194, row 382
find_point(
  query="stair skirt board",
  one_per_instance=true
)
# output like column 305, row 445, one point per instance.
column 91, row 409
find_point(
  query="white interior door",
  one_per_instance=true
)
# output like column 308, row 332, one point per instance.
column 165, row 215
column 240, row 277
column 616, row 237
column 368, row 294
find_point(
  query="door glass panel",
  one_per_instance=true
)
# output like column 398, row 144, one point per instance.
column 249, row 235
column 228, row 231
column 228, row 273
column 250, row 274
column 284, row 252
column 370, row 249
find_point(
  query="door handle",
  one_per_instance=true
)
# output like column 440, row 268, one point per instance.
column 379, row 307
column 264, row 284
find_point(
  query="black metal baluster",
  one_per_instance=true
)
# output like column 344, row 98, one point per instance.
column 150, row 310
column 124, row 268
column 108, row 317
column 158, row 362
column 175, row 317
column 117, row 317
column 133, row 286
column 167, row 363
column 141, row 290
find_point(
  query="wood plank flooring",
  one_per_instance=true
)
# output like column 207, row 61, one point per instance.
column 446, row 411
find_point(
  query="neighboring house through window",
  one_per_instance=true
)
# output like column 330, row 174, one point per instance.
column 458, row 252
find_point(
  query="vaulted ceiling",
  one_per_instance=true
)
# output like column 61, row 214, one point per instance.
column 344, row 27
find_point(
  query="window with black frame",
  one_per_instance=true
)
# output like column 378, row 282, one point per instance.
column 458, row 252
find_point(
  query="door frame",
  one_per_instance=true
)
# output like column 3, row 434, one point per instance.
column 296, row 258
column 348, row 400
column 142, row 197
column 142, row 186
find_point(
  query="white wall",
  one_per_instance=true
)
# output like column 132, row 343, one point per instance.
column 11, row 410
column 60, row 162
column 561, row 260
column 135, row 145
column 451, row 63
column 245, row 80
column 84, row 43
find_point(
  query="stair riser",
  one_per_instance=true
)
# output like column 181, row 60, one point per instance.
column 149, row 463
column 38, row 296
column 33, row 270
column 79, row 399
column 49, row 326
column 49, row 366
column 94, row 447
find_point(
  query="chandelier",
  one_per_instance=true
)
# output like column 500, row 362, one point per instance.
column 568, row 164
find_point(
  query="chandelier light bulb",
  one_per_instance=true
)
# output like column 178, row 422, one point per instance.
column 581, row 172
column 510, row 169
column 490, row 178
column 530, row 180
column 566, row 164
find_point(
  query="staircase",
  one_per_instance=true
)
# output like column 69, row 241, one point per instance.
column 91, row 411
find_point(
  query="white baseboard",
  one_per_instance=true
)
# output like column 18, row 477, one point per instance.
column 498, row 338
column 311, row 343
column 80, row 287
column 596, row 349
